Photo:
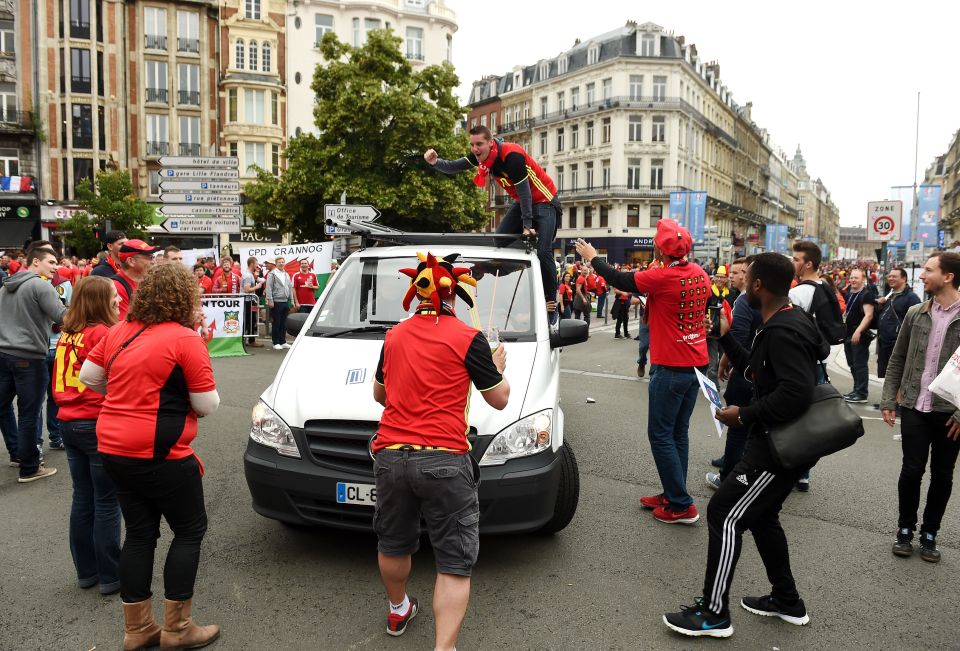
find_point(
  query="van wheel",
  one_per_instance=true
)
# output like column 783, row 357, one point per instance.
column 568, row 492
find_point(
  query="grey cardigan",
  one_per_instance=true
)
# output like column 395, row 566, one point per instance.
column 277, row 291
column 905, row 368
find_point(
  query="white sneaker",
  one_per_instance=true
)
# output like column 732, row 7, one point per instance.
column 277, row 347
column 897, row 437
column 285, row 346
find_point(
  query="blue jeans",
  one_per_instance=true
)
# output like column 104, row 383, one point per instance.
column 644, row 334
column 95, row 512
column 545, row 223
column 672, row 395
column 24, row 378
column 601, row 303
column 8, row 427
column 278, row 315
column 858, row 355
column 53, row 423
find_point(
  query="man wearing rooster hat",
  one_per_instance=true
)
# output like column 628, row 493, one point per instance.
column 537, row 208
column 422, row 460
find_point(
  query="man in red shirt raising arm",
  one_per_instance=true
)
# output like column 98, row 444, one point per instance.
column 677, row 294
column 422, row 459
column 537, row 208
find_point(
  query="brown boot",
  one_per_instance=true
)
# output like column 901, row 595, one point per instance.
column 140, row 630
column 179, row 631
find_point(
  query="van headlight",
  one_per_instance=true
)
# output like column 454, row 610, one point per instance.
column 523, row 438
column 270, row 430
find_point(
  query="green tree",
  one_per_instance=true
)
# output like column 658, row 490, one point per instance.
column 112, row 199
column 82, row 239
column 375, row 117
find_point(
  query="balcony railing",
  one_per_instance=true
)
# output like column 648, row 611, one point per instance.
column 415, row 56
column 156, row 41
column 188, row 45
column 79, row 30
column 80, row 84
column 620, row 191
column 512, row 127
column 189, row 149
column 155, row 148
column 16, row 119
column 83, row 141
column 189, row 97
column 158, row 95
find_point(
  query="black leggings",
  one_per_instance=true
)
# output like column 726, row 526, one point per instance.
column 147, row 490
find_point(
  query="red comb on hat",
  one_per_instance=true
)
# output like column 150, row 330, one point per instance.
column 672, row 239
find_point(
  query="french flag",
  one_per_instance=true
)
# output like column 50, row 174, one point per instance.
column 15, row 183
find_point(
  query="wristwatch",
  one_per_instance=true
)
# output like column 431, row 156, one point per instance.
column 739, row 420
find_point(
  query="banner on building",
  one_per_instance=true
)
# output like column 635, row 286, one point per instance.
column 689, row 209
column 224, row 314
column 928, row 209
column 319, row 255
column 678, row 207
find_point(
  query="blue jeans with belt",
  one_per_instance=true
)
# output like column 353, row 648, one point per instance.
column 672, row 395
column 545, row 223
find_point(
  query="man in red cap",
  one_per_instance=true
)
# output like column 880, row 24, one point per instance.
column 677, row 293
column 136, row 256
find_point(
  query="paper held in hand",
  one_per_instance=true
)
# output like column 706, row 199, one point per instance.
column 710, row 390
column 947, row 384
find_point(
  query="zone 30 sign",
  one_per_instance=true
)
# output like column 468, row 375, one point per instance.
column 884, row 221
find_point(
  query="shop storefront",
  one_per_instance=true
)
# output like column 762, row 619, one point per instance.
column 19, row 219
column 615, row 249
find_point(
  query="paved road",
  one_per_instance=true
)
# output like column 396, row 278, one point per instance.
column 600, row 584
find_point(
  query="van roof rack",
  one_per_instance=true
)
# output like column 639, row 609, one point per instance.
column 373, row 234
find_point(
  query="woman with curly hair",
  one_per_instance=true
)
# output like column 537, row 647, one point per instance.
column 157, row 379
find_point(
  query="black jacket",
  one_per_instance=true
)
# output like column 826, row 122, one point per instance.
column 104, row 269
column 783, row 368
column 892, row 314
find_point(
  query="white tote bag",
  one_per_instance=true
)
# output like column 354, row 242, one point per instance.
column 947, row 384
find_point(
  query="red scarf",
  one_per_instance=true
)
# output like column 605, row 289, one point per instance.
column 480, row 179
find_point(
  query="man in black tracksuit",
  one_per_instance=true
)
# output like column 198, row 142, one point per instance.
column 783, row 369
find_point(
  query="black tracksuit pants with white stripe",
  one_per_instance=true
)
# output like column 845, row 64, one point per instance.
column 749, row 498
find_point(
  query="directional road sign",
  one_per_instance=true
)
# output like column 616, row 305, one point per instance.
column 220, row 199
column 352, row 212
column 199, row 209
column 206, row 186
column 193, row 173
column 201, row 225
column 199, row 161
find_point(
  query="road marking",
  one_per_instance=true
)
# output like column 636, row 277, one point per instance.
column 608, row 376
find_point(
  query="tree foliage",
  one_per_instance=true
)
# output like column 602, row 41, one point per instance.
column 112, row 199
column 375, row 117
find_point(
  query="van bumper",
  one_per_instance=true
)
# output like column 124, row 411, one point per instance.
column 517, row 497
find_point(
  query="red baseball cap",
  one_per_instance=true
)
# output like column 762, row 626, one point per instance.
column 672, row 238
column 131, row 248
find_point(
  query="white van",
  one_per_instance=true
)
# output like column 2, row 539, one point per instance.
column 307, row 460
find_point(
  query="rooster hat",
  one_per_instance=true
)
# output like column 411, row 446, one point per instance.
column 436, row 279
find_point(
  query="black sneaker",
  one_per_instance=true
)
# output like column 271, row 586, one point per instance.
column 768, row 606
column 928, row 547
column 617, row 336
column 397, row 624
column 854, row 398
column 803, row 485
column 697, row 621
column 904, row 545
column 641, row 370
column 14, row 462
column 58, row 445
column 717, row 463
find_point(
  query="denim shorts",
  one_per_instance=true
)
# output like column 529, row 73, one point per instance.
column 440, row 487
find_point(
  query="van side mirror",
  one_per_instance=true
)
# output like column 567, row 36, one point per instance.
column 295, row 323
column 569, row 332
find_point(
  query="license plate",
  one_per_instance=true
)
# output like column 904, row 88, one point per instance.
column 365, row 494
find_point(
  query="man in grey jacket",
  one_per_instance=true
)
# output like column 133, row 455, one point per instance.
column 930, row 426
column 277, row 296
column 30, row 306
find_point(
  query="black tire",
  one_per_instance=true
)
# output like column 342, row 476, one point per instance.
column 568, row 492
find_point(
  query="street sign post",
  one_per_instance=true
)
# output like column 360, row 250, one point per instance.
column 200, row 161
column 884, row 221
column 194, row 225
column 194, row 173
column 915, row 251
column 198, row 209
column 343, row 212
column 200, row 186
column 211, row 198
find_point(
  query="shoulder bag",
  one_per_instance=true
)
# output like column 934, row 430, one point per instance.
column 827, row 426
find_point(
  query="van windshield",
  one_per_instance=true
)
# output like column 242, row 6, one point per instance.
column 368, row 292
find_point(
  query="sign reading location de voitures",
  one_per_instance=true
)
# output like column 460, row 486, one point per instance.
column 884, row 221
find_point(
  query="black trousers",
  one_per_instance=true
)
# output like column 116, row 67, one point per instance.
column 149, row 490
column 925, row 435
column 883, row 357
column 749, row 498
column 623, row 319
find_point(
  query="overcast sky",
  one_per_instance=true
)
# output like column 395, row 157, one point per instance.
column 839, row 79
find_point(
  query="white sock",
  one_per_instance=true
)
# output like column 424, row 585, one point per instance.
column 400, row 608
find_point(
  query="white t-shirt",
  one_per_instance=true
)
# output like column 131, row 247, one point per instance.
column 802, row 295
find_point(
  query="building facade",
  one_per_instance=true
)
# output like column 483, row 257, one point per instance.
column 855, row 238
column 19, row 138
column 818, row 217
column 426, row 26
column 945, row 171
column 621, row 120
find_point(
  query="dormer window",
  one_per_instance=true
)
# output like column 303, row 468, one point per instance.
column 562, row 64
column 516, row 80
column 544, row 70
column 593, row 54
column 647, row 43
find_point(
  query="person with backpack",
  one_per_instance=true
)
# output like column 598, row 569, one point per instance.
column 893, row 308
column 861, row 303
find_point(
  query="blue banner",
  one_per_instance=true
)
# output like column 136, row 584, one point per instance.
column 697, row 204
column 769, row 243
column 678, row 207
column 941, row 239
column 928, row 210
column 783, row 233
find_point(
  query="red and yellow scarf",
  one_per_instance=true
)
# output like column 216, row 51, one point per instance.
column 480, row 179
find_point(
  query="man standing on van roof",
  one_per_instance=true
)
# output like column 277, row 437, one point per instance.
column 422, row 460
column 537, row 208
column 677, row 294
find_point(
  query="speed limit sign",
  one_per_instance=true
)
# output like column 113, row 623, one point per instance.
column 884, row 221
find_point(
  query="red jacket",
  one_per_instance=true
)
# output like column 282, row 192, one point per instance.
column 542, row 187
column 677, row 305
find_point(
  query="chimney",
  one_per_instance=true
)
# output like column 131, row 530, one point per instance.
column 713, row 68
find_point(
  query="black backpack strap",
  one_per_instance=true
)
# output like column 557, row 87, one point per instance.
column 123, row 281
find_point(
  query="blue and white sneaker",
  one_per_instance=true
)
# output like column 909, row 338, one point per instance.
column 713, row 480
column 697, row 621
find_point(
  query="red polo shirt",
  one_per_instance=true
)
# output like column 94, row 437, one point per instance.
column 305, row 295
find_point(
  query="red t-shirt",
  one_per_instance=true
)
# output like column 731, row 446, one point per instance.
column 13, row 267
column 591, row 283
column 566, row 292
column 146, row 413
column 125, row 300
column 230, row 285
column 205, row 284
column 75, row 400
column 582, row 285
column 305, row 295
column 677, row 305
column 601, row 286
column 427, row 366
